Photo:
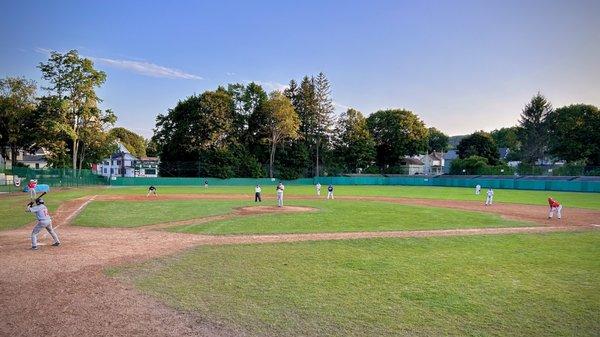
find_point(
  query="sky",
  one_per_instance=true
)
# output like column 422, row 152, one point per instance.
column 461, row 66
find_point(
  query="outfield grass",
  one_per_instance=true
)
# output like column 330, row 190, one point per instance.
column 352, row 216
column 569, row 199
column 509, row 285
column 134, row 214
column 12, row 207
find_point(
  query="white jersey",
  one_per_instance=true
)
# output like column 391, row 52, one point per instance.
column 490, row 193
column 280, row 189
column 257, row 190
column 319, row 187
column 41, row 212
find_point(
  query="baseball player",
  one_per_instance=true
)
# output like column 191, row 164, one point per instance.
column 257, row 191
column 280, row 189
column 329, row 192
column 206, row 184
column 43, row 221
column 554, row 206
column 152, row 190
column 318, row 186
column 489, row 196
column 477, row 189
column 31, row 188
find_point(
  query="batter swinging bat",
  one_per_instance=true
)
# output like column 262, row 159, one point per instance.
column 37, row 199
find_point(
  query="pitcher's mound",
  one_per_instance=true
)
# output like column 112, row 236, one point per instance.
column 273, row 209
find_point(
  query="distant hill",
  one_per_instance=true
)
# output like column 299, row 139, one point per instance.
column 454, row 140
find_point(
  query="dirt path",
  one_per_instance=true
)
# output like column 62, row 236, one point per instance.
column 63, row 291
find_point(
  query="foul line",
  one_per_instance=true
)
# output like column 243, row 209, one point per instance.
column 68, row 219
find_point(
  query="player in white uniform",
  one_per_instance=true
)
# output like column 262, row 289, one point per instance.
column 330, row 192
column 318, row 186
column 477, row 189
column 43, row 221
column 257, row 192
column 489, row 196
column 280, row 189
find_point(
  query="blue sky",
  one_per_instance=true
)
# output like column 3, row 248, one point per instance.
column 460, row 65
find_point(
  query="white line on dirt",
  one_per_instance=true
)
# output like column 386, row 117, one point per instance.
column 79, row 209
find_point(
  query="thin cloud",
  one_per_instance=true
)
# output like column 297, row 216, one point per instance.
column 139, row 67
column 341, row 106
column 270, row 86
column 146, row 68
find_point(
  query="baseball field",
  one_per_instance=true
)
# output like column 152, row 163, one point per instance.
column 374, row 261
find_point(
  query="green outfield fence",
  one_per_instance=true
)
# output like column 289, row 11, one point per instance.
column 51, row 177
column 573, row 184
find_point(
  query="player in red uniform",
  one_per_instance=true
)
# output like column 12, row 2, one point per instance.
column 31, row 188
column 554, row 206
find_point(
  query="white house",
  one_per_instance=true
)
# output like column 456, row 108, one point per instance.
column 123, row 164
column 412, row 166
column 34, row 160
column 433, row 163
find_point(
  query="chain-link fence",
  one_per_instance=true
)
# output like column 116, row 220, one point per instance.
column 16, row 179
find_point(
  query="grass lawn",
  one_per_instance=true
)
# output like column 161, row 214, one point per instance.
column 569, row 199
column 509, row 285
column 352, row 216
column 139, row 213
column 12, row 207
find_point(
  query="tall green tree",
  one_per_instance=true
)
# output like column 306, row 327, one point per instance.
column 323, row 116
column 397, row 133
column 479, row 144
column 283, row 122
column 197, row 124
column 535, row 131
column 96, row 142
column 437, row 140
column 509, row 138
column 134, row 143
column 17, row 115
column 73, row 80
column 574, row 133
column 354, row 144
column 151, row 148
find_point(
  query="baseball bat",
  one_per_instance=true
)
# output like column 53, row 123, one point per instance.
column 37, row 199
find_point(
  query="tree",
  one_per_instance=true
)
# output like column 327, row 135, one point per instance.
column 479, row 144
column 509, row 138
column 197, row 124
column 533, row 123
column 151, row 148
column 73, row 80
column 17, row 115
column 323, row 119
column 574, row 133
column 472, row 165
column 354, row 144
column 397, row 133
column 437, row 141
column 96, row 142
column 283, row 122
column 134, row 143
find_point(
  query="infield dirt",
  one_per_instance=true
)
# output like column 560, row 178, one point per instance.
column 63, row 291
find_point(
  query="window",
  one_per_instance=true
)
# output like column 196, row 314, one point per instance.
column 150, row 171
column 112, row 171
column 37, row 165
column 118, row 163
column 105, row 170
